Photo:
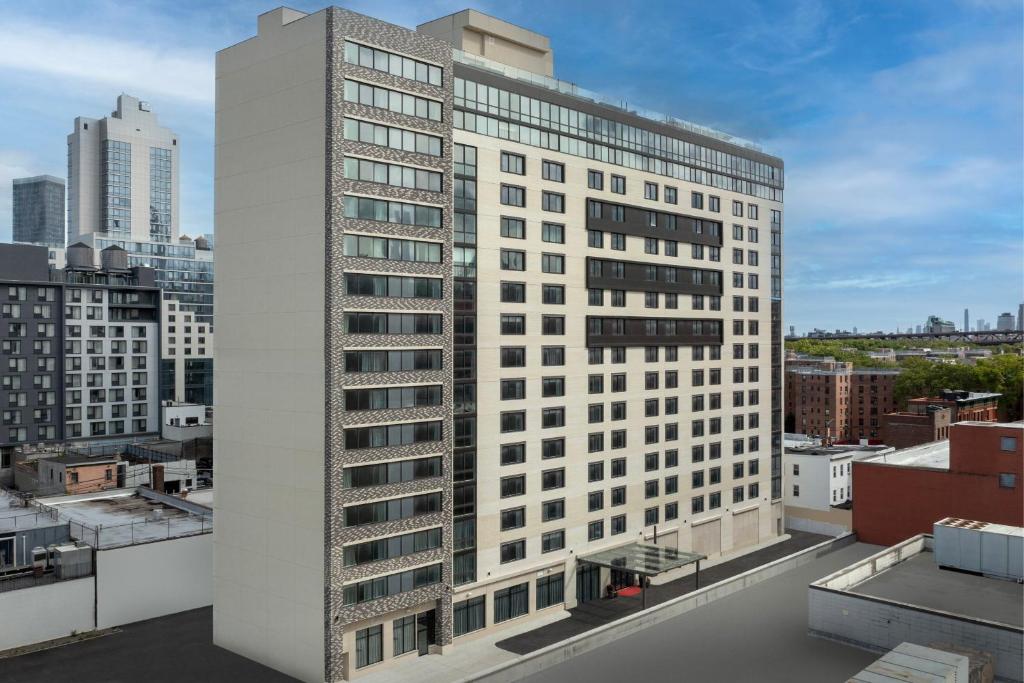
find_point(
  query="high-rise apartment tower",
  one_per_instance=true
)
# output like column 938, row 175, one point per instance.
column 123, row 176
column 473, row 326
column 38, row 210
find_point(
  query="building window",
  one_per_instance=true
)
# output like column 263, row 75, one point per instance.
column 513, row 227
column 595, row 180
column 513, row 292
column 552, row 541
column 595, row 530
column 553, row 232
column 511, row 602
column 513, row 163
column 550, row 590
column 513, row 260
column 513, row 453
column 513, row 486
column 1008, row 444
column 469, row 615
column 696, row 200
column 404, row 635
column 552, row 201
column 796, row 490
column 671, row 195
column 554, row 171
column 552, row 509
column 1007, row 480
column 651, row 191
column 512, row 552
column 369, row 646
column 513, row 324
column 552, row 479
column 618, row 184
column 512, row 195
column 553, row 263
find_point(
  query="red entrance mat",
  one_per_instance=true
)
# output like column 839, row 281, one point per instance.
column 627, row 592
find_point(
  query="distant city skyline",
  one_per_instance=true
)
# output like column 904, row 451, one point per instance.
column 990, row 320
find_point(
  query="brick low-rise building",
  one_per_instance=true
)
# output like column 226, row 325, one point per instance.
column 918, row 425
column 976, row 474
column 965, row 405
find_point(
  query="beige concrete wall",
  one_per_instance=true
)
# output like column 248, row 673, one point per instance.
column 576, row 369
column 269, row 432
column 486, row 36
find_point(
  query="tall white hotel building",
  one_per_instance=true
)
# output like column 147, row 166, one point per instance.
column 474, row 325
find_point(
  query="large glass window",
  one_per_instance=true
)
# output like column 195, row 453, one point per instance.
column 469, row 615
column 550, row 590
column 369, row 646
column 392, row 100
column 394, row 64
column 511, row 602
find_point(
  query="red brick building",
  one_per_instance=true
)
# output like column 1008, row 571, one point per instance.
column 825, row 397
column 976, row 474
column 920, row 424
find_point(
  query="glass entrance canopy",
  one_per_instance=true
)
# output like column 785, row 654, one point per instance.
column 642, row 558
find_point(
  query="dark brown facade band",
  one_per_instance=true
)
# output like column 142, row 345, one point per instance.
column 635, row 278
column 635, row 332
column 637, row 221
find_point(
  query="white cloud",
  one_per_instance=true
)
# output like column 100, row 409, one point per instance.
column 181, row 74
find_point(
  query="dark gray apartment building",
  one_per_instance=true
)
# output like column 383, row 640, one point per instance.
column 79, row 347
column 39, row 210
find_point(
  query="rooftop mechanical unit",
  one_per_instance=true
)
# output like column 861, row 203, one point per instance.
column 995, row 550
column 72, row 560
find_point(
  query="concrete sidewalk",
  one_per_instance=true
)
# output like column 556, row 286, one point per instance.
column 457, row 663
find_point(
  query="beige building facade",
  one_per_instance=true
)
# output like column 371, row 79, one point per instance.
column 507, row 328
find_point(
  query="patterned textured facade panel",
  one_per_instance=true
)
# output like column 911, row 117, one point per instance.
column 406, row 194
column 367, row 75
column 381, row 417
column 378, row 265
column 347, row 536
column 405, row 488
column 377, row 303
column 397, row 564
column 395, row 156
column 345, row 24
column 379, row 115
column 378, row 379
column 415, row 450
column 368, row 227
column 390, row 341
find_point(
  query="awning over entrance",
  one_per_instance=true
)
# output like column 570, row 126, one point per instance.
column 642, row 558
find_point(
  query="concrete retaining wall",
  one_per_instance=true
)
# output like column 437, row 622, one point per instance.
column 542, row 659
column 149, row 580
column 55, row 610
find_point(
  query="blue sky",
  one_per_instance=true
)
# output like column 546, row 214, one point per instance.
column 899, row 121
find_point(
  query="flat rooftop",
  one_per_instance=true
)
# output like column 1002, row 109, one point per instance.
column 920, row 581
column 852, row 450
column 107, row 520
column 934, row 455
column 13, row 515
column 756, row 634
